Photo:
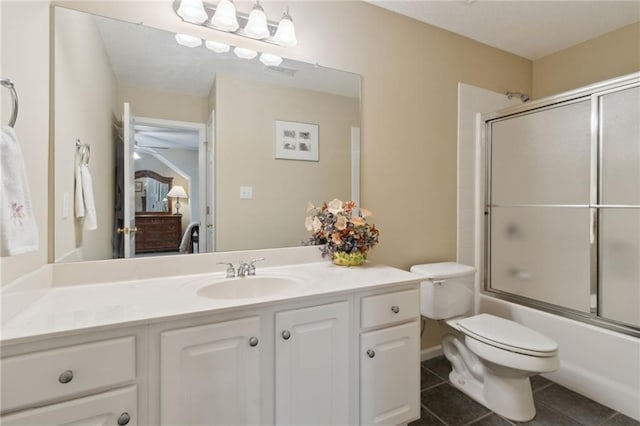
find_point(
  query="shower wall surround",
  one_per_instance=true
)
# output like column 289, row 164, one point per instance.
column 562, row 204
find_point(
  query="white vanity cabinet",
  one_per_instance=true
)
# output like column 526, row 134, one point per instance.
column 71, row 381
column 312, row 365
column 210, row 374
column 390, row 358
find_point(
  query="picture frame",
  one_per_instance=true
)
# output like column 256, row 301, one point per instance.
column 138, row 186
column 296, row 141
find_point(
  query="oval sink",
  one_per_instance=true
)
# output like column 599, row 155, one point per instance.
column 248, row 287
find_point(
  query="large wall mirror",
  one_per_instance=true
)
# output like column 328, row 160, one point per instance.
column 235, row 135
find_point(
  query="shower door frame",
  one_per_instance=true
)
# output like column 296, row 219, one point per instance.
column 592, row 93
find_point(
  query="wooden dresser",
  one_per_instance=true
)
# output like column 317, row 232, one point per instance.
column 158, row 232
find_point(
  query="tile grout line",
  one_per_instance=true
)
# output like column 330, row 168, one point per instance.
column 433, row 414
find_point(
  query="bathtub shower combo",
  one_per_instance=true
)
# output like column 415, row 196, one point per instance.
column 562, row 204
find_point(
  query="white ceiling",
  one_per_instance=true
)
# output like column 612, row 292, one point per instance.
column 531, row 29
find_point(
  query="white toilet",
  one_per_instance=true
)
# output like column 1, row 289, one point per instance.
column 492, row 358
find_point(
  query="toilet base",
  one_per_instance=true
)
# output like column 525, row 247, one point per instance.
column 507, row 394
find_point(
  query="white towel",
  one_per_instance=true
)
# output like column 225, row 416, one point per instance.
column 18, row 229
column 79, row 199
column 90, row 218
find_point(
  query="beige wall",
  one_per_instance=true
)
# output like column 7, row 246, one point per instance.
column 85, row 88
column 611, row 55
column 409, row 104
column 410, row 74
column 163, row 105
column 281, row 188
column 24, row 27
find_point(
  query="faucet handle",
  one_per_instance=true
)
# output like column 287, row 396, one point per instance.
column 231, row 272
column 252, row 266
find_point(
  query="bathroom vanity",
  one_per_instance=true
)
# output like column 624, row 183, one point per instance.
column 309, row 342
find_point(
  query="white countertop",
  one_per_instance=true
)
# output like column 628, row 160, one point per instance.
column 57, row 311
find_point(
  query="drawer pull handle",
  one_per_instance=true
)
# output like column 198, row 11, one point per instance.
column 123, row 419
column 65, row 376
column 371, row 353
column 253, row 341
column 395, row 309
column 286, row 334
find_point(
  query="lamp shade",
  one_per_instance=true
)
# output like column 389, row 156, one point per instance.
column 192, row 11
column 244, row 53
column 178, row 192
column 225, row 17
column 217, row 47
column 188, row 40
column 270, row 60
column 286, row 33
column 256, row 26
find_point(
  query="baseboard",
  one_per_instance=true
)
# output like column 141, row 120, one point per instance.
column 432, row 352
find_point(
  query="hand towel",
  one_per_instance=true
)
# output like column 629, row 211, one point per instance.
column 18, row 229
column 90, row 219
column 79, row 199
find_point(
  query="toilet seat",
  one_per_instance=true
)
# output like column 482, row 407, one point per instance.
column 507, row 335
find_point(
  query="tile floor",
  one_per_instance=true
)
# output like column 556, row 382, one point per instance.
column 442, row 404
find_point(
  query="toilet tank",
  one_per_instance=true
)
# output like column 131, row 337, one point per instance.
column 447, row 290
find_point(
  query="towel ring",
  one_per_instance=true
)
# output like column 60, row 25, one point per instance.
column 14, row 98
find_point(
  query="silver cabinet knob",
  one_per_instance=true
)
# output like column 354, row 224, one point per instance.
column 123, row 419
column 371, row 353
column 286, row 334
column 253, row 341
column 395, row 309
column 65, row 376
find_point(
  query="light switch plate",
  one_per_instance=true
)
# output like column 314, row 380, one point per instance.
column 246, row 192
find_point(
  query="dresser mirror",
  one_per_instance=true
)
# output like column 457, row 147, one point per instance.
column 207, row 120
column 151, row 191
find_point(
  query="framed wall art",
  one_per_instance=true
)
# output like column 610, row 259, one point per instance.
column 296, row 141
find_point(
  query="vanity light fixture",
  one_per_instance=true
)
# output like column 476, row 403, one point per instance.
column 188, row 40
column 224, row 17
column 244, row 53
column 217, row 47
column 270, row 59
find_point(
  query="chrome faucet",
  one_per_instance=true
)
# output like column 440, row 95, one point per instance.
column 248, row 269
column 243, row 269
column 231, row 272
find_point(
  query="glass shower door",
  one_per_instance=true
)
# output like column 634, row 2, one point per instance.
column 619, row 208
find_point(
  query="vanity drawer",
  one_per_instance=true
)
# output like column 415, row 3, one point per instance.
column 389, row 308
column 48, row 375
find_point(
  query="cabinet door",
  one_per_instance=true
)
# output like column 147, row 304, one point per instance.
column 312, row 365
column 390, row 375
column 108, row 408
column 210, row 374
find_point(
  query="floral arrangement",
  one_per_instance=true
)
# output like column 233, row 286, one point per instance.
column 342, row 229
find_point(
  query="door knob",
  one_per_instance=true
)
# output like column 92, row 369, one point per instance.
column 371, row 353
column 253, row 341
column 286, row 334
column 395, row 309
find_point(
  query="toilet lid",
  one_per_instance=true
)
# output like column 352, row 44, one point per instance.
column 443, row 270
column 507, row 335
